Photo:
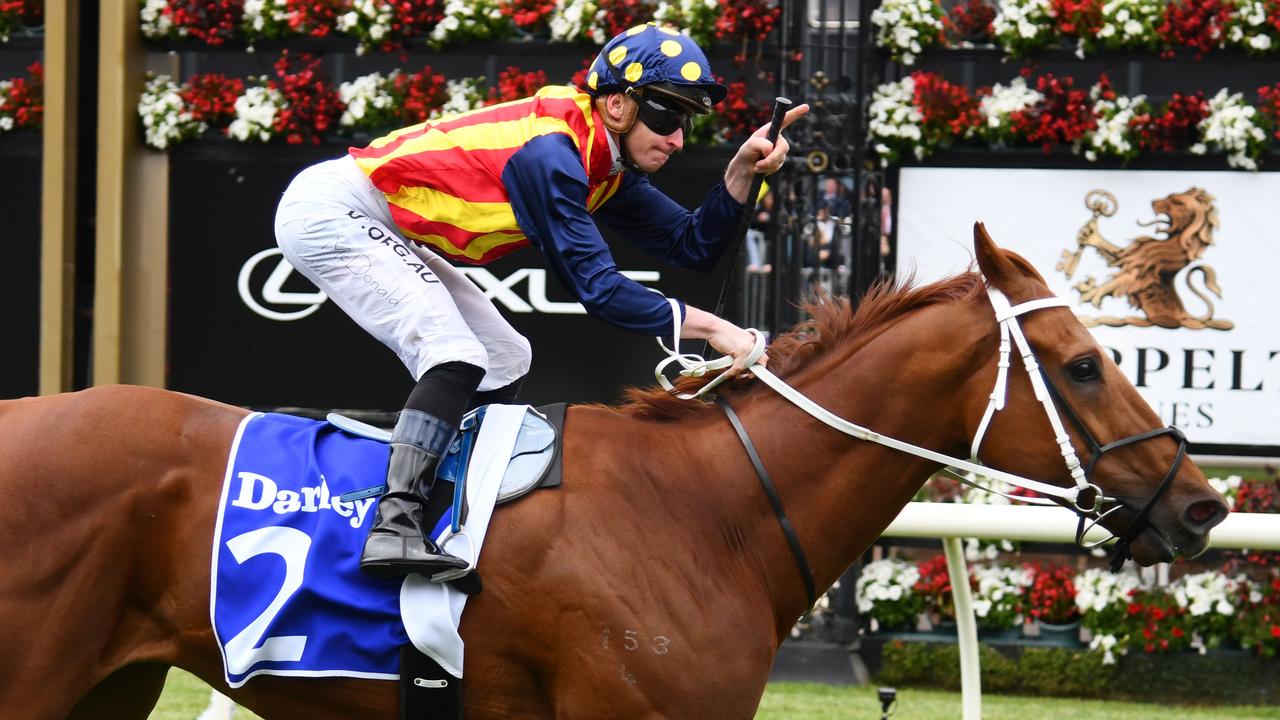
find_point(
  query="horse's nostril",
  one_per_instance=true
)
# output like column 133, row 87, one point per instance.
column 1206, row 514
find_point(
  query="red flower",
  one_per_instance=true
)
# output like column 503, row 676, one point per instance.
column 528, row 14
column 1077, row 18
column 948, row 110
column 1173, row 129
column 620, row 15
column 746, row 21
column 311, row 104
column 741, row 112
column 420, row 93
column 972, row 20
column 313, row 17
column 25, row 99
column 514, row 85
column 1275, row 631
column 211, row 97
column 1197, row 24
column 1063, row 115
column 1051, row 597
column 211, row 21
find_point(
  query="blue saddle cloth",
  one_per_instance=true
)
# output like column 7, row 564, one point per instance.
column 288, row 597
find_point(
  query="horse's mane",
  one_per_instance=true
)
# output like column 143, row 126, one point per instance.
column 831, row 320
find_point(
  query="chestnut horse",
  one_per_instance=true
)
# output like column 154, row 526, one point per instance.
column 656, row 583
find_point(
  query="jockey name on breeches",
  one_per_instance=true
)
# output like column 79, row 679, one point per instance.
column 335, row 228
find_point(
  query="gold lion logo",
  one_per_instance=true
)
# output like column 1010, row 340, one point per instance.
column 1147, row 266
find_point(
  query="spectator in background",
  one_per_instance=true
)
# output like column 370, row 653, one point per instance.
column 758, row 232
column 835, row 198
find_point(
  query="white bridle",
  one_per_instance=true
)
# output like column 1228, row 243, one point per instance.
column 1007, row 317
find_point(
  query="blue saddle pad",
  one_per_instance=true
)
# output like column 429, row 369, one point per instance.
column 288, row 597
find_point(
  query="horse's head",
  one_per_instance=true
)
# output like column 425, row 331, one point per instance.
column 1159, row 498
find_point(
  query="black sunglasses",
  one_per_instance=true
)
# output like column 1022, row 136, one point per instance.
column 663, row 116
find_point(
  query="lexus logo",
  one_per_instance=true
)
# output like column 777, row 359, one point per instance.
column 499, row 290
column 272, row 291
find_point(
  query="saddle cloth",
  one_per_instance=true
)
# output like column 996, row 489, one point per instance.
column 287, row 594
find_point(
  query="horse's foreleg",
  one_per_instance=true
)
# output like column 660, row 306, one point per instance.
column 128, row 693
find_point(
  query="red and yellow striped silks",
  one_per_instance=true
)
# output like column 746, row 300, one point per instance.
column 443, row 179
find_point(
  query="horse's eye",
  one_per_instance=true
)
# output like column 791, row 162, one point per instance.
column 1084, row 370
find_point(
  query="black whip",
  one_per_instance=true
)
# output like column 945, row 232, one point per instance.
column 780, row 107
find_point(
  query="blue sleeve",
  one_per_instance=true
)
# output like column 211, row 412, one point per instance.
column 547, row 188
column 645, row 216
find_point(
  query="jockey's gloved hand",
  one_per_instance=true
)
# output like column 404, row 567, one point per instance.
column 728, row 339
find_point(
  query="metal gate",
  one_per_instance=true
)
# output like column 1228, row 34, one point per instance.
column 820, row 231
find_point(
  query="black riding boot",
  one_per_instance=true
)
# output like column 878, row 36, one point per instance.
column 397, row 545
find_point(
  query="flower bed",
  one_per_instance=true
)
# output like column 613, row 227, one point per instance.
column 22, row 100
column 394, row 26
column 1220, row 676
column 1237, row 605
column 923, row 113
column 299, row 105
column 904, row 28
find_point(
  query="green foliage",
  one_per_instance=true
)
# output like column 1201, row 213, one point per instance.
column 1222, row 676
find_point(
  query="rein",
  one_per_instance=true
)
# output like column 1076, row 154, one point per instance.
column 1086, row 499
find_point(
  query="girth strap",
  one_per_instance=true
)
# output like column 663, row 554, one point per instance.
column 788, row 530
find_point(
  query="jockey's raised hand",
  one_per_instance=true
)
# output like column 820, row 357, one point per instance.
column 757, row 155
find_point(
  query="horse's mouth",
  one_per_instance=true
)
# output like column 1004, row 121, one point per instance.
column 1152, row 547
column 1155, row 546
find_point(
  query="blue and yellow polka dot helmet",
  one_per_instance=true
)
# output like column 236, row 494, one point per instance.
column 657, row 56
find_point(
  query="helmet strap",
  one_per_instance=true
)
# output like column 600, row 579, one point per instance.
column 621, row 125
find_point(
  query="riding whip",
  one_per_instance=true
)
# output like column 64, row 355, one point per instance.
column 780, row 107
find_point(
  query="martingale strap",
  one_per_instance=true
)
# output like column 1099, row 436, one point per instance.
column 788, row 530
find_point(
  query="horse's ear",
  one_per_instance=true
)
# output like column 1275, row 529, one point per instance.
column 991, row 260
column 999, row 267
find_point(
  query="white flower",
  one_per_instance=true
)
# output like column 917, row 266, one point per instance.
column 1106, row 643
column 1022, row 25
column 895, row 120
column 574, row 19
column 165, row 117
column 255, row 114
column 1130, row 23
column 1096, row 589
column 906, row 27
column 155, row 23
column 1205, row 593
column 363, row 96
column 1231, row 125
column 884, row 580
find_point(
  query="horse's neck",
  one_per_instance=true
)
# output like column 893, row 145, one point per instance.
column 841, row 493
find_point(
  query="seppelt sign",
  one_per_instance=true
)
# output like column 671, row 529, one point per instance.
column 1174, row 272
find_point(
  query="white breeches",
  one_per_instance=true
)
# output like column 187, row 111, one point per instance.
column 334, row 227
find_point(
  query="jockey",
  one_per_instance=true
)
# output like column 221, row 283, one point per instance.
column 377, row 229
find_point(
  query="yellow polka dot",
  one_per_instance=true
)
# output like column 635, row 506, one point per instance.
column 637, row 30
column 592, row 80
column 634, row 71
column 617, row 55
column 670, row 48
column 669, row 30
column 690, row 71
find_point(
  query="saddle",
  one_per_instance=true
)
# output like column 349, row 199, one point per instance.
column 535, row 460
column 427, row 691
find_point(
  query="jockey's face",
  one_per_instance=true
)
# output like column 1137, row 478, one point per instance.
column 649, row 150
